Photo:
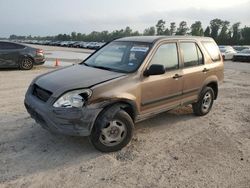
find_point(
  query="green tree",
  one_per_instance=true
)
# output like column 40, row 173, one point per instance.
column 73, row 36
column 236, row 33
column 196, row 29
column 136, row 33
column 128, row 31
column 172, row 28
column 224, row 37
column 160, row 27
column 149, row 31
column 207, row 32
column 167, row 32
column 215, row 26
column 182, row 29
column 79, row 37
column 245, row 32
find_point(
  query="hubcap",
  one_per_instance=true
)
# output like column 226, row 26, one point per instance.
column 206, row 102
column 113, row 134
column 27, row 63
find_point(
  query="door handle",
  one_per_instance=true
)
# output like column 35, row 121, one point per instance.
column 205, row 70
column 176, row 76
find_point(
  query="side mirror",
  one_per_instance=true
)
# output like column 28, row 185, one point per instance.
column 155, row 69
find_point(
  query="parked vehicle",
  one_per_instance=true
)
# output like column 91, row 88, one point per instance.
column 127, row 81
column 77, row 45
column 227, row 53
column 14, row 55
column 93, row 45
column 243, row 56
column 240, row 48
column 55, row 43
column 64, row 43
column 71, row 44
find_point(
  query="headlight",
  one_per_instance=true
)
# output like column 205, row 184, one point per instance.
column 72, row 99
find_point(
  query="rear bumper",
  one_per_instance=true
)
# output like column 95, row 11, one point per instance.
column 39, row 61
column 74, row 122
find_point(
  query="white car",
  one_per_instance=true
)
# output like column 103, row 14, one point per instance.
column 227, row 52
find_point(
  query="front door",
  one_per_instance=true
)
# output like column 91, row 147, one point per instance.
column 161, row 92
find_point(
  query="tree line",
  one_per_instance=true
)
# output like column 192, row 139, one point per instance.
column 220, row 30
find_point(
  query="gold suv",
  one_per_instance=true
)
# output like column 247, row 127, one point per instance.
column 127, row 81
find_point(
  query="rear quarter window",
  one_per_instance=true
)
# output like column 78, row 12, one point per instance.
column 213, row 50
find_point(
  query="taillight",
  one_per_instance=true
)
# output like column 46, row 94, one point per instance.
column 39, row 51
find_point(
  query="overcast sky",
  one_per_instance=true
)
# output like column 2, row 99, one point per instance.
column 50, row 17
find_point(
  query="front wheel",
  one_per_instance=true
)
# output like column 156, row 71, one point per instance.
column 112, row 131
column 205, row 102
column 26, row 63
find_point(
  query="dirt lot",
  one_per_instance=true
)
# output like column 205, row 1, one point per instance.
column 174, row 149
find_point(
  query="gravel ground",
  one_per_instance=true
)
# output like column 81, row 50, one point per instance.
column 174, row 149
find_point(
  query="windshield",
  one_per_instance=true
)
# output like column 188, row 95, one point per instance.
column 222, row 50
column 246, row 51
column 119, row 56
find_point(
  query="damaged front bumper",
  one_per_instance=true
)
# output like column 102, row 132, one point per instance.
column 67, row 121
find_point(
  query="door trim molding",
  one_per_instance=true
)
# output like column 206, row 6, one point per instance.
column 169, row 97
column 161, row 99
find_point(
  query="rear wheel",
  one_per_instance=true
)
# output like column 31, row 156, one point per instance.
column 205, row 102
column 112, row 131
column 26, row 63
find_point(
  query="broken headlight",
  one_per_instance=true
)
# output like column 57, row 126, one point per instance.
column 72, row 99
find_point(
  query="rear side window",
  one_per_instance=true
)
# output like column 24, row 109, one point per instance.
column 10, row 46
column 192, row 55
column 167, row 56
column 212, row 50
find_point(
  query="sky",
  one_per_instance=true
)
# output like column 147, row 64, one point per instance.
column 51, row 17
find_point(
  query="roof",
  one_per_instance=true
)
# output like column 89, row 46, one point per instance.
column 152, row 39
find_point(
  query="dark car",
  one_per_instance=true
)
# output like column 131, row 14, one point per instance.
column 240, row 48
column 14, row 55
column 243, row 55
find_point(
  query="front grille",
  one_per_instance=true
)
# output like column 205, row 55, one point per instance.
column 41, row 93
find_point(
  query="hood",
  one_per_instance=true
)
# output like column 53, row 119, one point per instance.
column 74, row 77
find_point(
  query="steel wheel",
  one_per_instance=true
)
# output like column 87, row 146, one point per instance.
column 206, row 102
column 113, row 130
column 113, row 134
column 26, row 64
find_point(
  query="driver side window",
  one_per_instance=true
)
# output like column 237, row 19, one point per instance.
column 167, row 55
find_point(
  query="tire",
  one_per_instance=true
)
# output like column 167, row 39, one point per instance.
column 26, row 63
column 205, row 102
column 112, row 131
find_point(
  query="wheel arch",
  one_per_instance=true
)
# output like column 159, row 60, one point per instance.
column 213, row 83
column 214, row 86
column 21, row 57
column 127, row 105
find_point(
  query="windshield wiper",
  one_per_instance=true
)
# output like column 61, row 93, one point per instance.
column 101, row 67
column 107, row 68
column 104, row 68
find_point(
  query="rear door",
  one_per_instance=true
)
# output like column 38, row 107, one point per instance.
column 214, row 65
column 9, row 54
column 193, row 70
